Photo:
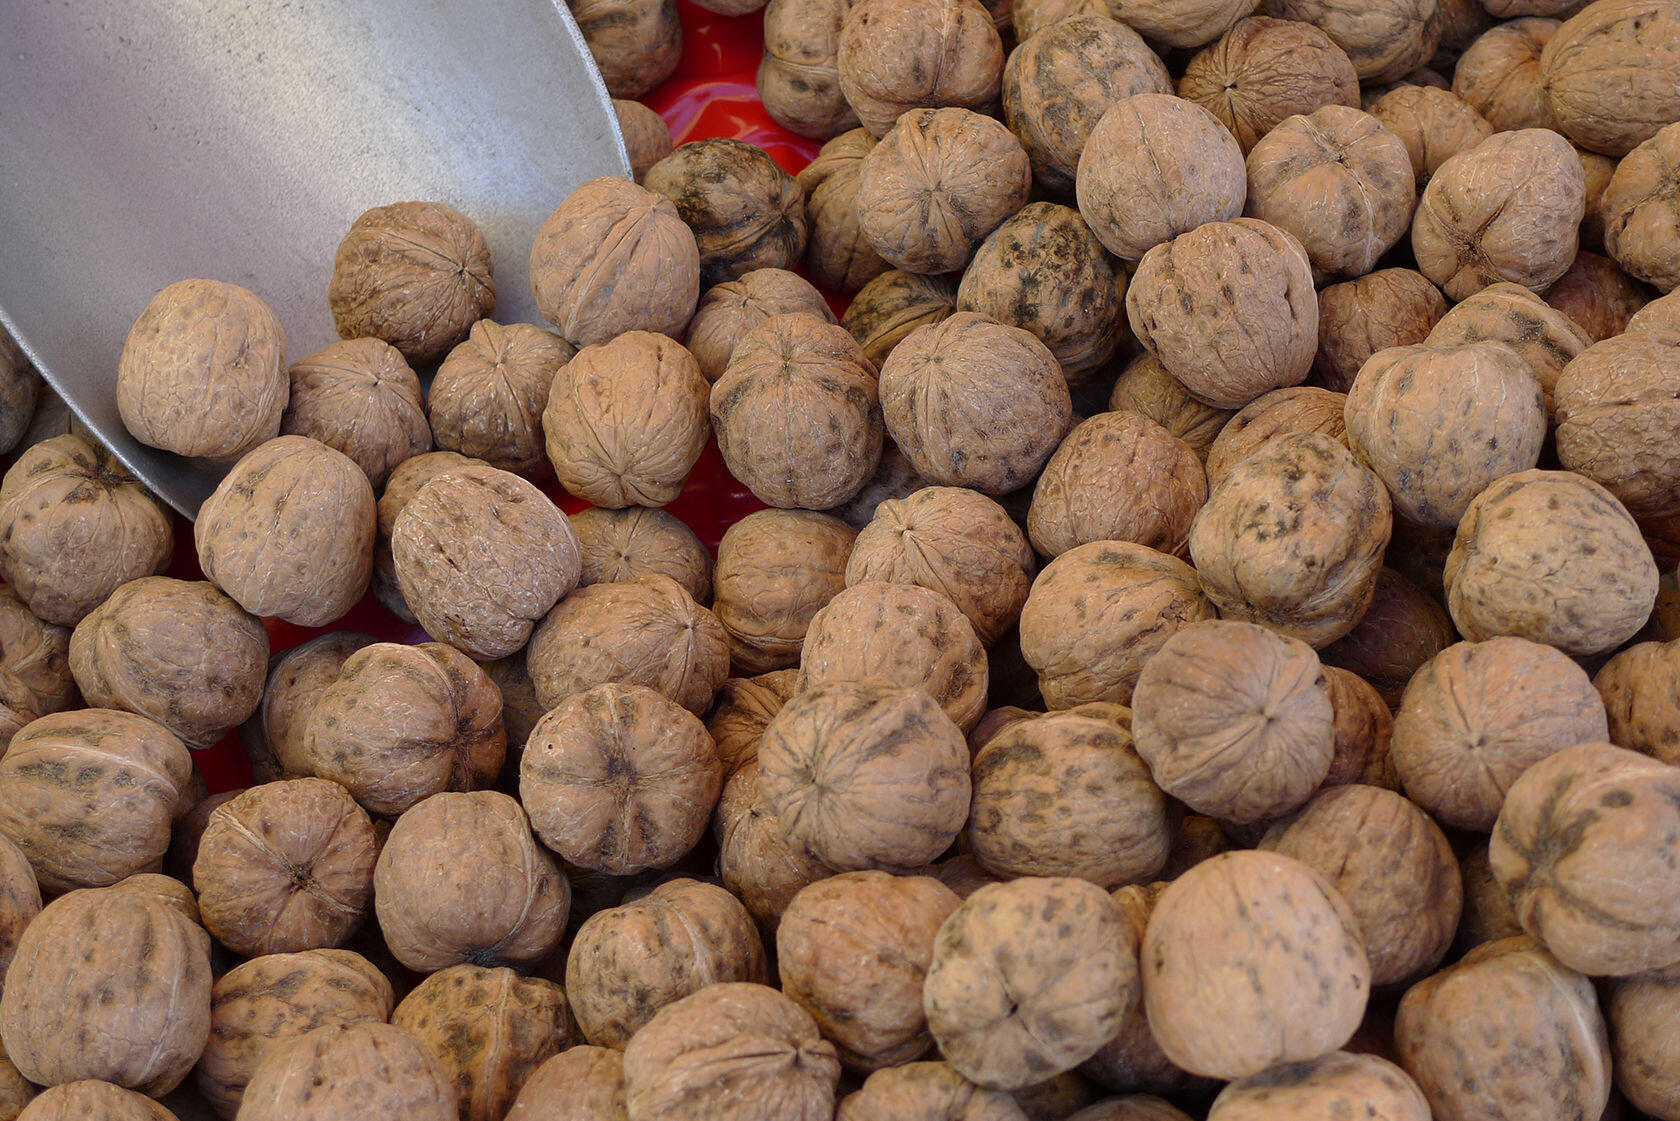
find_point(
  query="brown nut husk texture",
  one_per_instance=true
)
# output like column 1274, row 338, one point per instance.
column 582, row 1083
column 1265, row 70
column 837, row 254
column 274, row 738
column 1611, row 74
column 487, row 399
column 798, row 77
column 1299, row 408
column 1434, row 124
column 1618, row 403
column 776, row 569
column 619, row 545
column 1339, row 1084
column 371, row 1071
column 745, row 211
column 897, row 55
column 636, row 44
column 1508, row 313
column 1641, row 211
column 728, row 312
column 1641, row 691
column 892, row 305
column 647, row 139
column 359, row 397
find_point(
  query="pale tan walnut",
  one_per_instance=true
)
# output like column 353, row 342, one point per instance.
column 745, row 211
column 167, row 890
column 647, row 139
column 755, row 862
column 1641, row 1014
column 487, row 1030
column 1512, row 314
column 799, row 74
column 938, row 182
column 926, row 1091
column 1434, row 124
column 203, row 371
column 612, row 258
column 1641, row 211
column 1282, row 412
column 1357, row 318
column 177, row 651
column 273, row 737
column 636, row 44
column 618, row 545
column 20, row 902
column 1499, row 75
column 289, row 532
column 1265, row 70
column 797, row 413
column 1178, row 23
column 620, row 779
column 370, row 1071
column 415, row 274
column 1336, row 1085
column 1098, row 612
column 1616, row 415
column 644, row 631
column 1067, row 795
column 1640, row 688
column 1550, row 556
column 1057, row 85
column 626, row 420
column 745, row 707
column 261, row 1005
column 1234, row 720
column 461, row 879
column 359, row 397
column 628, row 962
column 520, row 708
column 1029, row 17
column 837, row 254
column 1478, row 715
column 1293, row 537
column 865, row 775
column 1131, row 1107
column 1340, row 182
column 582, row 1083
column 1028, row 979
column 286, row 866
column 1611, row 74
column 899, row 55
column 1229, row 309
column 90, row 1098
column 1584, row 845
column 953, row 541
column 1503, row 1029
column 1145, row 387
column 20, row 390
column 728, row 312
column 1598, row 296
column 487, row 399
column 405, row 482
column 109, row 985
column 775, row 570
column 975, row 403
column 1385, row 40
column 892, row 305
column 1364, row 733
column 481, row 555
column 1156, row 166
column 405, row 722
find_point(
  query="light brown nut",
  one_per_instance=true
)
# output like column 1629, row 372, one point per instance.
column 612, row 258
column 1336, row 1084
column 35, row 677
column 926, row 1091
column 1611, row 74
column 1616, row 411
column 1265, row 70
column 1640, row 688
column 799, row 75
column 1357, row 318
column 1499, row 75
column 620, row 779
column 1434, row 124
column 203, row 371
column 636, row 44
column 616, row 545
column 1488, row 914
column 1131, row 1107
column 1145, row 387
column 1478, row 715
column 273, row 738
column 755, row 862
column 1641, row 210
column 898, row 55
column 894, row 304
column 744, row 709
column 92, row 1098
column 1282, row 412
column 416, row 274
column 1641, row 1014
column 837, row 254
column 1599, row 170
column 775, row 570
column 728, row 312
column 1512, row 314
column 405, row 482
column 894, row 478
column 371, row 1071
column 1384, row 40
column 488, row 396
column 647, row 139
column 1660, row 318
column 580, row 1084
column 745, row 211
column 359, row 397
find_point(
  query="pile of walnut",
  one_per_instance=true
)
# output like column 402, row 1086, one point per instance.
column 1212, row 648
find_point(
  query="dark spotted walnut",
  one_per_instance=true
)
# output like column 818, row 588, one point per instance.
column 20, row 390
column 487, row 399
column 1640, row 688
column 899, row 55
column 1511, row 314
column 1144, row 387
column 745, row 211
column 1282, row 412
column 776, row 569
column 359, row 397
column 1265, row 70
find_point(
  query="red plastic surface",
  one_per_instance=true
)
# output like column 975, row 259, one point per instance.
column 712, row 93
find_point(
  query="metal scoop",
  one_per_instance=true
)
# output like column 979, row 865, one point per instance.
column 146, row 141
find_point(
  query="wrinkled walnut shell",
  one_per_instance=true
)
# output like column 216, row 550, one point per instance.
column 359, row 397
column 776, row 569
column 487, row 399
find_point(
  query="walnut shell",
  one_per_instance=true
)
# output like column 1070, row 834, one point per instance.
column 274, row 737
column 628, row 962
column 744, row 709
column 745, row 211
column 359, row 397
column 837, row 254
column 20, row 390
column 20, row 902
column 619, row 779
column 1640, row 688
column 636, row 44
column 455, row 545
column 975, row 403
column 899, row 55
column 581, row 1084
column 1611, row 74
column 371, row 1071
column 405, row 482
column 177, row 651
column 203, row 371
column 614, row 257
column 728, row 312
column 1282, row 412
column 1503, row 1029
column 461, row 879
column 1599, row 170
column 775, row 570
column 1660, row 317
column 1403, row 628
column 1616, row 412
column 645, row 631
column 797, row 414
column 894, row 478
column 730, row 1051
column 1508, row 209
column 1228, row 343
column 799, row 76
column 938, row 182
column 112, row 985
column 1478, row 715
column 1641, row 210
column 487, row 1030
column 488, row 397
column 1264, row 70
column 647, row 139
column 1145, row 387
column 1337, row 1084
column 1598, row 296
column 926, row 1091
column 259, row 1006
column 616, row 545
column 1488, row 914
column 90, row 1098
column 1641, row 1014
column 1512, row 314
column 1028, row 979
column 1384, row 41
column 1434, row 124
column 755, row 862
column 402, row 723
column 1357, row 318
column 894, row 304
column 34, row 667
column 1499, row 75
column 1364, row 731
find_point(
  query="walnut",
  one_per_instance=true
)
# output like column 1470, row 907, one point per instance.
column 1660, row 317
column 92, row 1098
column 1611, row 75
column 487, row 1030
column 837, row 254
column 487, row 399
column 623, row 544
column 1263, row 71
column 1282, row 412
column 1512, row 314
column 1551, row 556
column 926, row 1091
column 20, row 390
column 938, row 182
column 1032, row 16
column 614, row 257
column 799, row 75
column 203, row 371
column 580, row 1084
column 728, row 312
column 481, row 555
column 893, row 478
column 1357, row 318
column 273, row 737
column 109, row 985
column 1616, row 411
column 1385, row 41
column 1478, row 715
column 744, row 709
column 745, row 211
column 636, row 44
column 1488, row 914
column 628, row 962
column 1598, row 296
column 797, row 414
column 1499, row 75
column 1028, row 979
column 1336, row 1084
column 1145, row 387
column 260, row 1006
column 893, row 305
column 1403, row 628
column 177, row 651
column 20, row 902
column 1640, row 688
column 359, row 397
column 899, row 55
column 755, row 862
column 371, row 1071
column 1056, row 86
column 405, row 482
column 647, row 139
column 1434, row 124
column 775, row 569
column 646, row 631
column 1364, row 733
column 1641, row 210
column 1599, row 170
column 1641, row 1014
